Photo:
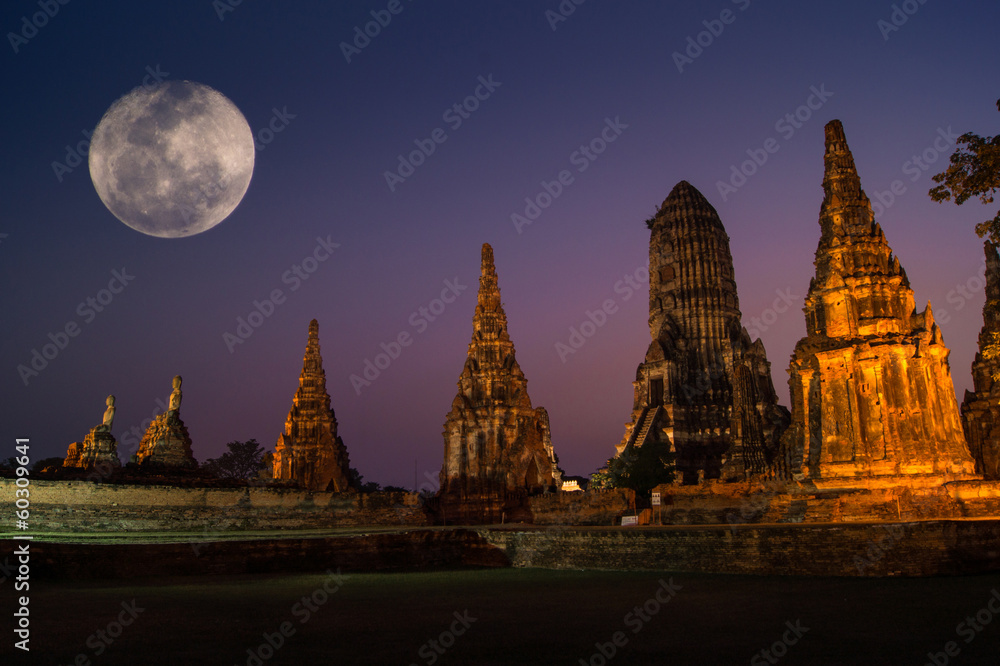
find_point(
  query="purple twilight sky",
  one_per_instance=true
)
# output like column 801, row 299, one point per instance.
column 904, row 84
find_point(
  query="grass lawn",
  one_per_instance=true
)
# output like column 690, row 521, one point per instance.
column 510, row 616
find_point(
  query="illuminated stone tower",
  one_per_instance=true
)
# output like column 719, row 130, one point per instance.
column 497, row 448
column 704, row 386
column 309, row 450
column 981, row 408
column 870, row 384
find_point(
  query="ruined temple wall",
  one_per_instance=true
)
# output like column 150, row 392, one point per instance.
column 414, row 549
column 602, row 507
column 980, row 416
column 981, row 406
column 84, row 506
column 894, row 413
column 897, row 549
column 713, row 503
column 884, row 403
column 80, row 506
column 902, row 549
column 885, row 499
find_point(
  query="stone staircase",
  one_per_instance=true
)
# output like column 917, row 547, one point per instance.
column 646, row 421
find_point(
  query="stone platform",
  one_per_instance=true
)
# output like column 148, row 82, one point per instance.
column 840, row 500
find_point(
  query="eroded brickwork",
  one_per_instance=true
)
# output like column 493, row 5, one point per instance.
column 870, row 384
column 309, row 451
column 981, row 407
column 497, row 447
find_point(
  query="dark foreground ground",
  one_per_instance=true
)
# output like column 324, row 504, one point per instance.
column 511, row 616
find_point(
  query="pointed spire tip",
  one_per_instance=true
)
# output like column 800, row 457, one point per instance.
column 487, row 256
column 835, row 131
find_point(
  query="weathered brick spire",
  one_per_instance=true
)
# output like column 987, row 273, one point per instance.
column 981, row 407
column 489, row 323
column 991, row 308
column 494, row 373
column 309, row 451
column 845, row 208
column 871, row 389
column 697, row 274
column 496, row 446
column 704, row 386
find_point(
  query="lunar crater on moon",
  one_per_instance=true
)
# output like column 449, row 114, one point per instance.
column 173, row 159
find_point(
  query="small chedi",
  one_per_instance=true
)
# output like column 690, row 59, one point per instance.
column 99, row 448
column 870, row 385
column 309, row 450
column 497, row 447
column 704, row 386
column 981, row 407
column 166, row 443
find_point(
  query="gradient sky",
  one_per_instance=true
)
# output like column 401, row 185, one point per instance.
column 322, row 176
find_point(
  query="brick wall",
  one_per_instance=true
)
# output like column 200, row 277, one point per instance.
column 66, row 506
column 591, row 508
column 389, row 550
column 902, row 549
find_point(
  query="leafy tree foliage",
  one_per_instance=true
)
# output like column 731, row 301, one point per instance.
column 991, row 351
column 973, row 171
column 355, row 480
column 639, row 468
column 243, row 460
column 651, row 220
column 46, row 462
column 601, row 479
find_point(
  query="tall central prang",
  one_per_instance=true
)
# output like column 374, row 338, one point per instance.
column 704, row 386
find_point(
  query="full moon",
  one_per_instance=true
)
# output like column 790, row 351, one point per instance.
column 173, row 159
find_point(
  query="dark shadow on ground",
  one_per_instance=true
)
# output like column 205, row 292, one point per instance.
column 512, row 616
